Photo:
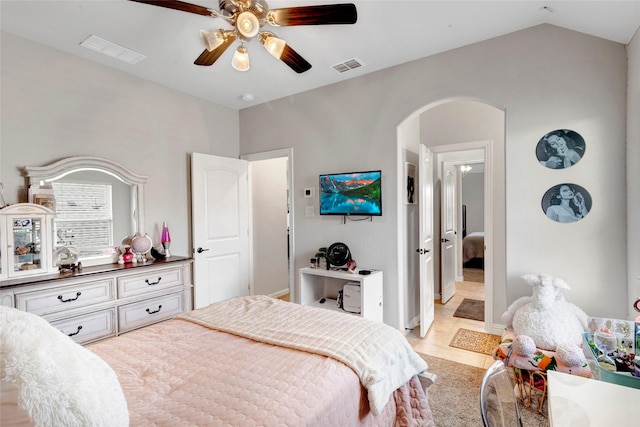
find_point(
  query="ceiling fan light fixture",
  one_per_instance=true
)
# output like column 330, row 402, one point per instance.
column 240, row 59
column 247, row 25
column 212, row 38
column 273, row 44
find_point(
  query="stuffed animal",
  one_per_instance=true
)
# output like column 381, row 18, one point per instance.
column 546, row 316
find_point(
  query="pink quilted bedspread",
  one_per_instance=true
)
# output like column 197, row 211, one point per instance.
column 179, row 373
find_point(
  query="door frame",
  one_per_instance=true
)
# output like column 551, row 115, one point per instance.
column 274, row 154
column 487, row 146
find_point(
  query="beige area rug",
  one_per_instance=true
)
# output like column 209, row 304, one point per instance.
column 470, row 309
column 454, row 397
column 479, row 342
column 473, row 275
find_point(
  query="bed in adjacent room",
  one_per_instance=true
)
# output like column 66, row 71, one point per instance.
column 262, row 361
column 473, row 250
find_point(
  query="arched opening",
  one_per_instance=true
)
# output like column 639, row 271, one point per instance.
column 458, row 132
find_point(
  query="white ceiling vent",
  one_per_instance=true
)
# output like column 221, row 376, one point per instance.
column 111, row 49
column 348, row 65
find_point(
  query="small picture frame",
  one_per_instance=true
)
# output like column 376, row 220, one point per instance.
column 411, row 183
column 308, row 193
column 46, row 200
column 566, row 203
column 560, row 149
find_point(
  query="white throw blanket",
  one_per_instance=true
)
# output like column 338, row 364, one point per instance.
column 379, row 354
column 52, row 380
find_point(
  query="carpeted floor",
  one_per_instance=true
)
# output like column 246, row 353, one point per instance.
column 470, row 309
column 479, row 342
column 454, row 398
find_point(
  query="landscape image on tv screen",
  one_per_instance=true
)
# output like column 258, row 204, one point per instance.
column 354, row 193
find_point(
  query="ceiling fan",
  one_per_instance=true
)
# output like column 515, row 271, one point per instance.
column 247, row 17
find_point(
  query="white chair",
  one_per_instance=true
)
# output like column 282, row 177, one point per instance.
column 498, row 403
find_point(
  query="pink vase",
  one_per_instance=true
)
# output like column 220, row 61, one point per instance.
column 127, row 256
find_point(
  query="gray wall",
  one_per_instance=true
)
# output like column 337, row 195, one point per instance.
column 55, row 105
column 543, row 78
column 269, row 207
column 473, row 198
column 633, row 173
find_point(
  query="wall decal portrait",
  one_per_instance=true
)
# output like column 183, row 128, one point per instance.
column 560, row 149
column 566, row 203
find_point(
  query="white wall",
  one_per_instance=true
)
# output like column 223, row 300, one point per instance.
column 55, row 105
column 473, row 198
column 633, row 173
column 269, row 206
column 543, row 78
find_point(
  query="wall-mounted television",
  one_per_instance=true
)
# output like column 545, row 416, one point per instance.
column 353, row 193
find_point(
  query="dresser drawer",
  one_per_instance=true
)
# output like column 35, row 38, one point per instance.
column 89, row 327
column 148, row 282
column 49, row 301
column 136, row 315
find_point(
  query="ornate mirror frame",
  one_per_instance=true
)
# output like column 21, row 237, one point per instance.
column 40, row 175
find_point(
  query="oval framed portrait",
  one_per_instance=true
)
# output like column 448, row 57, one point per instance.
column 566, row 203
column 560, row 149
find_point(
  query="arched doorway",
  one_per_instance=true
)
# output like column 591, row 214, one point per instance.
column 446, row 127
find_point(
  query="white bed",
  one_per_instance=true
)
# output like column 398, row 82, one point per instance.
column 473, row 248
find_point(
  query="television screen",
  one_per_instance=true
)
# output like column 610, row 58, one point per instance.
column 355, row 193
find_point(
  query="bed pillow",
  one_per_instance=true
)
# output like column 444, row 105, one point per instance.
column 54, row 380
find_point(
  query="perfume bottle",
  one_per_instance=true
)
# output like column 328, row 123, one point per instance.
column 166, row 239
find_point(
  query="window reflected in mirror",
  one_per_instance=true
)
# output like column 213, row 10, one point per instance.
column 97, row 204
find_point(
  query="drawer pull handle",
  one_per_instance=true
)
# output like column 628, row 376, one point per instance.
column 154, row 312
column 76, row 332
column 70, row 299
column 152, row 283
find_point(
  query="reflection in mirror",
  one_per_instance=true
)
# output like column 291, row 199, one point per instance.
column 97, row 203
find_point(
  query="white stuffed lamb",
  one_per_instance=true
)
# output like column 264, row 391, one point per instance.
column 546, row 316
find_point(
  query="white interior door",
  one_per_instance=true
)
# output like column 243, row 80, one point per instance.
column 448, row 232
column 220, row 217
column 425, row 251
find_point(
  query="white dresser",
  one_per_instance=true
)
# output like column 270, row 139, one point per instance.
column 106, row 300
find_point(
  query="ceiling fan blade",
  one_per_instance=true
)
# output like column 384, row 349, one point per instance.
column 178, row 5
column 209, row 57
column 314, row 15
column 293, row 59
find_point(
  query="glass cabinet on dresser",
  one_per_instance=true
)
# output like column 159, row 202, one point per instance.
column 26, row 240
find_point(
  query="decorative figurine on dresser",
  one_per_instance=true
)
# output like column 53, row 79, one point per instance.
column 58, row 259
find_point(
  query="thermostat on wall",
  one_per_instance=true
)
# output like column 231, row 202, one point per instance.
column 308, row 193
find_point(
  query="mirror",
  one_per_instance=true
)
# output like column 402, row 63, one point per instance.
column 97, row 203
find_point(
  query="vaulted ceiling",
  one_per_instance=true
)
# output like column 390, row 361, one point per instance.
column 387, row 33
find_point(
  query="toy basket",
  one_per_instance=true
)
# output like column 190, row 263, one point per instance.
column 531, row 389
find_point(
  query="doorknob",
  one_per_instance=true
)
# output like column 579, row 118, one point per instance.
column 422, row 251
column 443, row 240
column 200, row 250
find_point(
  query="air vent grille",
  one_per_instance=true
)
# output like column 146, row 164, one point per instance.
column 348, row 65
column 111, row 49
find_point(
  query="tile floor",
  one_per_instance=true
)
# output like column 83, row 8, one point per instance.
column 444, row 327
